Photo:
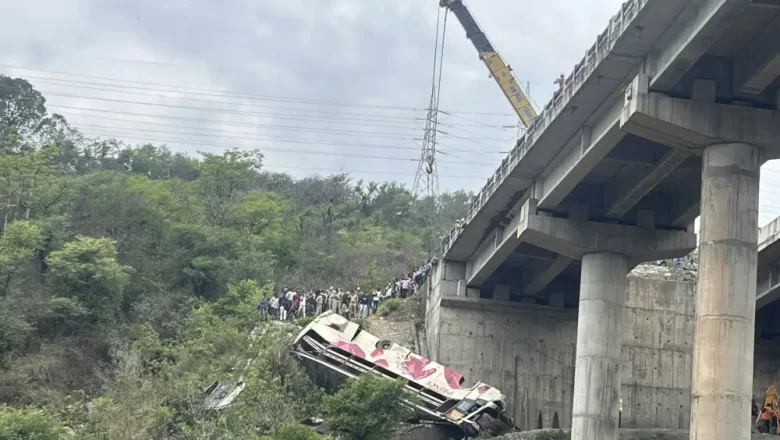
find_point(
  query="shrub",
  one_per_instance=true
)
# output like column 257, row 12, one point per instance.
column 368, row 407
column 295, row 432
column 303, row 322
column 29, row 424
column 389, row 306
column 365, row 324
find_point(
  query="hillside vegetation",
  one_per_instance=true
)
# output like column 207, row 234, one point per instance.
column 129, row 277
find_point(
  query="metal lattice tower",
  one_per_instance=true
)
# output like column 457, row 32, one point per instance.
column 426, row 180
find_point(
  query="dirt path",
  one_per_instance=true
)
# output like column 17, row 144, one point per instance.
column 399, row 325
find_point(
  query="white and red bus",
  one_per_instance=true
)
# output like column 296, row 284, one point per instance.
column 334, row 349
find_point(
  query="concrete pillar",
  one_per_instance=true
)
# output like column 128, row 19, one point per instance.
column 599, row 345
column 777, row 99
column 726, row 293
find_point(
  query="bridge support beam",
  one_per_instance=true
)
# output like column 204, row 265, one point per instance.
column 726, row 293
column 607, row 251
column 597, row 367
column 734, row 141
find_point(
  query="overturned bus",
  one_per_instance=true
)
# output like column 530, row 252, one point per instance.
column 333, row 349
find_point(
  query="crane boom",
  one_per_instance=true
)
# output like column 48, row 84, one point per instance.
column 499, row 70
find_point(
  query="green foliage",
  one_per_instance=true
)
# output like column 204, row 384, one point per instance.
column 389, row 306
column 21, row 106
column 14, row 331
column 210, row 258
column 372, row 278
column 129, row 276
column 18, row 245
column 259, row 213
column 303, row 322
column 294, row 432
column 87, row 270
column 368, row 407
column 241, row 300
column 222, row 180
column 30, row 424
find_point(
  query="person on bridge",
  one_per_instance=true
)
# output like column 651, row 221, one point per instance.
column 560, row 82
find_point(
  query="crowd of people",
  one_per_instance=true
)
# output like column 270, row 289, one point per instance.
column 292, row 303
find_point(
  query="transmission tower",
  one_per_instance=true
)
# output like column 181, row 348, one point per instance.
column 426, row 180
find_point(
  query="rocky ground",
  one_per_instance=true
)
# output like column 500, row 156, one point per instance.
column 654, row 271
column 399, row 326
column 687, row 270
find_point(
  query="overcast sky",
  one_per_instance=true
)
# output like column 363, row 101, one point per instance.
column 346, row 79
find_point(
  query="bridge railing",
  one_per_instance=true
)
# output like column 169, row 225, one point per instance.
column 617, row 26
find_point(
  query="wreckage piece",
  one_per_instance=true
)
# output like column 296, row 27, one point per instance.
column 333, row 349
column 221, row 394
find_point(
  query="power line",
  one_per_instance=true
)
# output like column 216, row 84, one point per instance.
column 230, row 123
column 279, row 150
column 183, row 118
column 340, row 116
column 297, row 128
column 270, row 139
column 143, row 138
column 468, row 131
column 218, row 93
column 229, row 136
column 221, row 136
column 364, row 172
column 331, row 116
column 123, row 101
column 328, row 121
column 245, row 96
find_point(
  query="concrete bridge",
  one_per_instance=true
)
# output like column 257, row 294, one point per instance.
column 674, row 108
column 527, row 349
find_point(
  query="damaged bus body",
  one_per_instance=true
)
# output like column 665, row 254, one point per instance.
column 333, row 349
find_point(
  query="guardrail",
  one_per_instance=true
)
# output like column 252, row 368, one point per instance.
column 618, row 24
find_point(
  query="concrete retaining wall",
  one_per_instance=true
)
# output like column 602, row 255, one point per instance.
column 657, row 353
column 528, row 351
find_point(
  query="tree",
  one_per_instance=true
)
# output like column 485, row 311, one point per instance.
column 20, row 175
column 87, row 269
column 18, row 244
column 21, row 107
column 223, row 179
column 258, row 212
column 366, row 408
column 241, row 300
column 208, row 259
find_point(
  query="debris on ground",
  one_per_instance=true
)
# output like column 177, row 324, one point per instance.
column 675, row 269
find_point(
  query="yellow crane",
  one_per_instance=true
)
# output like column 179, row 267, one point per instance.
column 499, row 70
